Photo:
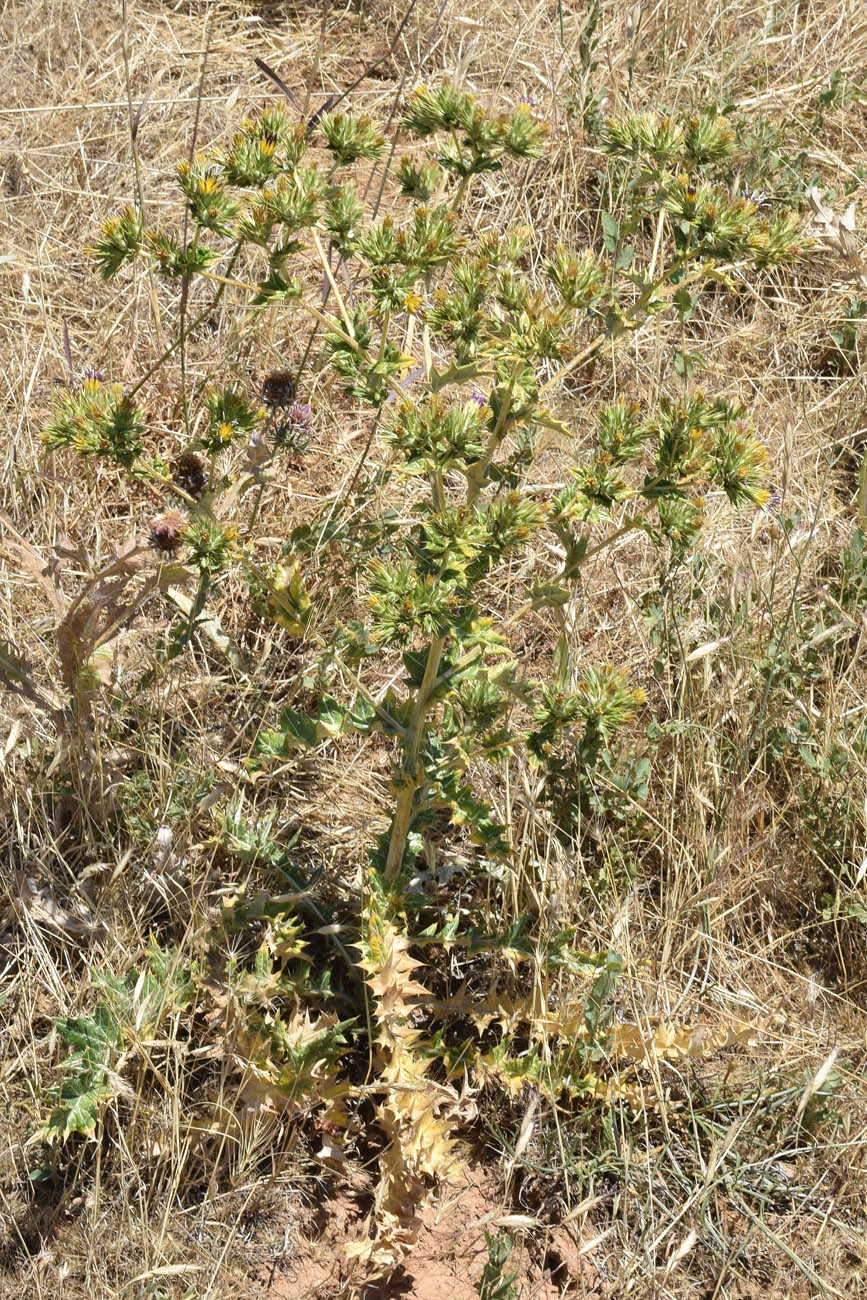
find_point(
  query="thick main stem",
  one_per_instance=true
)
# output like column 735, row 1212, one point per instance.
column 403, row 812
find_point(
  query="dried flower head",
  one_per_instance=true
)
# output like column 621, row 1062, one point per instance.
column 190, row 474
column 167, row 531
column 258, row 451
column 278, row 389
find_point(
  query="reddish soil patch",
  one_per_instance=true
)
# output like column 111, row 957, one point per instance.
column 445, row 1263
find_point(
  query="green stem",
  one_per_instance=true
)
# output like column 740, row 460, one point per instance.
column 182, row 331
column 202, row 316
column 256, row 507
column 628, row 526
column 476, row 477
column 403, row 812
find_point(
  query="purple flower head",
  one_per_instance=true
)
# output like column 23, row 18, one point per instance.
column 774, row 501
column 299, row 415
column 295, row 430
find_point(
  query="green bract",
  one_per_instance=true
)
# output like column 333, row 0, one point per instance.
column 97, row 420
column 351, row 138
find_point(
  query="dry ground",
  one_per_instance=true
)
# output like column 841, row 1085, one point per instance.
column 720, row 915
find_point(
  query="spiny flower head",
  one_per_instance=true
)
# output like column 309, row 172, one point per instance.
column 173, row 259
column 621, row 430
column 606, row 700
column 230, row 416
column 577, row 280
column 190, row 474
column 443, row 109
column 211, row 543
column 432, row 238
column 278, row 388
column 593, row 490
column 295, row 430
column 521, row 134
column 167, row 531
column 418, row 182
column 680, row 520
column 438, row 435
column 272, row 124
column 97, row 420
column 405, row 605
column 252, row 158
column 343, row 217
column 349, row 138
column 740, row 464
column 708, row 138
column 648, row 137
column 207, row 200
column 294, row 200
column 121, row 239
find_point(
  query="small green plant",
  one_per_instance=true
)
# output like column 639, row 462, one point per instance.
column 495, row 1283
column 460, row 351
column 842, row 356
column 586, row 98
column 131, row 1007
column 77, row 1103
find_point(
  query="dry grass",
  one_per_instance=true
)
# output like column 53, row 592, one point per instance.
column 713, row 1192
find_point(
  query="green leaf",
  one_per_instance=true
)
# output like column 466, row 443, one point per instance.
column 686, row 362
column 331, row 717
column 299, row 731
column 415, row 661
column 610, row 232
column 276, row 289
column 548, row 420
column 548, row 595
column 562, row 663
column 86, row 1087
column 94, row 1038
column 684, row 301
column 597, row 1010
column 478, row 818
column 625, row 258
column 78, row 1112
column 453, row 374
column 494, row 1284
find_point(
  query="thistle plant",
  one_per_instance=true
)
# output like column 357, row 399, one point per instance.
column 461, row 353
